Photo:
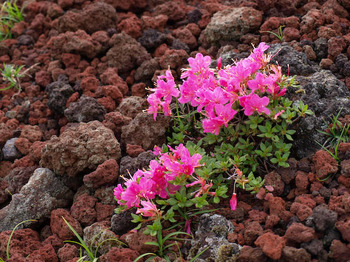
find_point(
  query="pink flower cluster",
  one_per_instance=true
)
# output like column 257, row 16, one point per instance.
column 144, row 186
column 217, row 93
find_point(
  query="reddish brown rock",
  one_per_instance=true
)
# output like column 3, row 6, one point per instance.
column 131, row 26
column 67, row 252
column 86, row 19
column 302, row 211
column 54, row 241
column 104, row 212
column 295, row 254
column 23, row 243
column 106, row 173
column 252, row 231
column 136, row 241
column 313, row 19
column 119, row 254
column 60, row 228
column 299, row 233
column 325, row 164
column 290, row 34
column 186, row 36
column 336, row 45
column 301, row 181
column 250, row 254
column 5, row 134
column 173, row 10
column 70, row 60
column 134, row 150
column 274, row 179
column 23, row 145
column 112, row 92
column 173, row 59
column 45, row 254
column 339, row 251
column 94, row 144
column 344, row 228
column 83, row 209
column 271, row 245
column 43, row 78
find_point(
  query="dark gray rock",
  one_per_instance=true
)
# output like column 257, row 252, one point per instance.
column 58, row 94
column 121, row 223
column 9, row 150
column 86, row 109
column 151, row 39
column 212, row 232
column 43, row 193
column 325, row 95
column 130, row 164
column 292, row 61
column 321, row 48
column 314, row 247
column 178, row 45
column 25, row 40
column 144, row 131
column 324, row 218
column 18, row 177
column 146, row 70
column 331, row 235
column 194, row 16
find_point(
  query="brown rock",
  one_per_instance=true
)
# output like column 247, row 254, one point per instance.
column 104, row 212
column 67, row 252
column 23, row 145
column 344, row 228
column 83, row 146
column 302, row 211
column 106, row 173
column 5, row 134
column 325, row 164
column 45, row 254
column 252, row 231
column 299, row 233
column 271, row 245
column 339, row 251
column 250, row 254
column 120, row 254
column 60, row 228
column 83, row 209
column 131, row 26
column 274, row 179
column 86, row 19
column 173, row 59
column 23, row 243
column 336, row 45
column 290, row 34
column 290, row 254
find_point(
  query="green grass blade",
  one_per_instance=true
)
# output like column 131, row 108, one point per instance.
column 90, row 254
column 144, row 255
column 13, row 231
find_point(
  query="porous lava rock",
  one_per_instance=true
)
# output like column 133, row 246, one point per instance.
column 144, row 131
column 81, row 147
column 58, row 94
column 86, row 19
column 78, row 42
column 86, row 109
column 232, row 23
column 106, row 173
column 126, row 53
column 212, row 232
column 44, row 192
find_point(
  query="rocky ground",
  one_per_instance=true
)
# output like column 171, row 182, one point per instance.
column 78, row 124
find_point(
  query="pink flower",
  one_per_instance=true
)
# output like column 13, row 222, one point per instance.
column 253, row 103
column 212, row 125
column 233, row 201
column 259, row 83
column 149, row 209
column 225, row 113
column 219, row 63
column 278, row 114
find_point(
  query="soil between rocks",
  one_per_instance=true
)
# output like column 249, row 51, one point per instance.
column 79, row 124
